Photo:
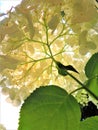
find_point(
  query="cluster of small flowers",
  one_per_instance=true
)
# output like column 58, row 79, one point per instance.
column 39, row 31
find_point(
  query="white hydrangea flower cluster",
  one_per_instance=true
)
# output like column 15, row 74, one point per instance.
column 38, row 31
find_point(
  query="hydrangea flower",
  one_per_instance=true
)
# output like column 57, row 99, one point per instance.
column 37, row 33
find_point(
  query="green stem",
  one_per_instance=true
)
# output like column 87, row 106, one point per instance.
column 36, row 41
column 84, row 86
column 47, row 41
column 60, row 35
column 76, row 90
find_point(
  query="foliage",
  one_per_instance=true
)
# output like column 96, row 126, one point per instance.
column 91, row 68
column 89, row 124
column 51, row 107
column 91, row 71
column 45, row 42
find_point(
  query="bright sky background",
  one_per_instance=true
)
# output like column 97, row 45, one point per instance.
column 8, row 113
column 5, row 5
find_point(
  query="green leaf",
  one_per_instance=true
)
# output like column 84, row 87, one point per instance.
column 89, row 124
column 49, row 108
column 91, row 68
column 62, row 69
column 92, row 84
column 91, row 71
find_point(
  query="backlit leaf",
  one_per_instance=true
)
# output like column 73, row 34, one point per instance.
column 93, row 85
column 91, row 68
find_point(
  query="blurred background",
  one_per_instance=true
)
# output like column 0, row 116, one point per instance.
column 8, row 113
